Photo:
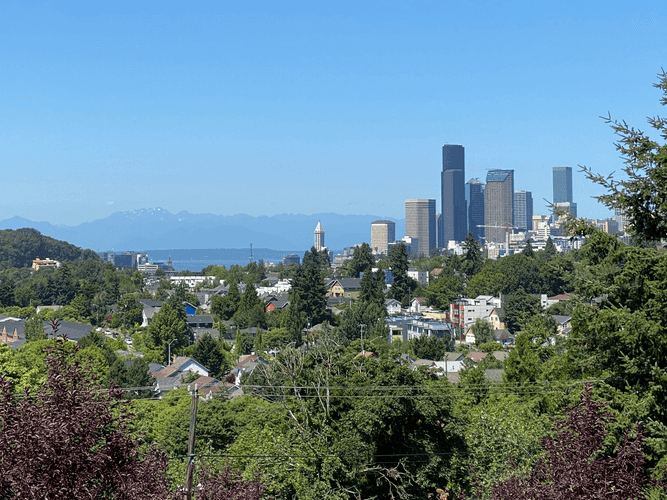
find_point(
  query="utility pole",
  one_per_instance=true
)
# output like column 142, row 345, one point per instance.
column 363, row 351
column 169, row 360
column 191, row 441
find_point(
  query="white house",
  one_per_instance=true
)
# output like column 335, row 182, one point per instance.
column 420, row 276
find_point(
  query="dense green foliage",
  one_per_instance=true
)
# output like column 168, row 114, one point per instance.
column 19, row 247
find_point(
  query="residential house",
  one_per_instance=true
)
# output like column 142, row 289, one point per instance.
column 171, row 377
column 208, row 386
column 246, row 365
column 150, row 307
column 436, row 272
column 344, row 287
column 276, row 303
column 452, row 363
column 393, row 306
column 497, row 318
column 564, row 324
column 417, row 305
column 420, row 276
column 547, row 302
column 476, row 356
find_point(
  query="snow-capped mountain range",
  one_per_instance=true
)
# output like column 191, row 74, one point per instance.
column 156, row 228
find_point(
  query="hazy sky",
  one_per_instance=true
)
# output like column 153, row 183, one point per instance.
column 284, row 107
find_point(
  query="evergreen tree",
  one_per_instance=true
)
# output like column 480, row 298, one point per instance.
column 473, row 259
column 209, row 352
column 402, row 286
column 309, row 285
column 528, row 249
column 362, row 260
column 33, row 329
column 225, row 307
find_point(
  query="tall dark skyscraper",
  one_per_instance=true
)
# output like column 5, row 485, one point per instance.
column 475, row 207
column 523, row 210
column 454, row 219
column 498, row 204
column 562, row 185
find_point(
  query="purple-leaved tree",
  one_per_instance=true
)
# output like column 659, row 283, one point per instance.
column 576, row 467
column 70, row 439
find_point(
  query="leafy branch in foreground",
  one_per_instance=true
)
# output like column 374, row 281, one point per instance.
column 643, row 195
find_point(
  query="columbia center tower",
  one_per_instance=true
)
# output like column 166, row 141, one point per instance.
column 454, row 217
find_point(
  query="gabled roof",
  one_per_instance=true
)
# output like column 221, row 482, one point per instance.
column 500, row 355
column 422, row 362
column 437, row 271
column 499, row 311
column 150, row 303
column 561, row 320
column 346, row 283
column 476, row 356
column 454, row 356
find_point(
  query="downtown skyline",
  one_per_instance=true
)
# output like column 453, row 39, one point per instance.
column 268, row 109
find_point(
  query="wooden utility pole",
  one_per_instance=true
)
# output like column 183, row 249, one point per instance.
column 191, row 441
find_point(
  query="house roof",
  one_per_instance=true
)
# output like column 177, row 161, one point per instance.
column 500, row 312
column 476, row 356
column 561, row 296
column 150, row 302
column 454, row 356
column 200, row 319
column 500, row 355
column 346, row 283
column 436, row 272
column 561, row 320
column 423, row 362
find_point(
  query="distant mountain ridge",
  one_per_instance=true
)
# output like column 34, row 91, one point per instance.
column 156, row 228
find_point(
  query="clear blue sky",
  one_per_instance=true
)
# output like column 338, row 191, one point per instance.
column 283, row 107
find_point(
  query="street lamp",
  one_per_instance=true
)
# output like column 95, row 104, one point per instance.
column 174, row 340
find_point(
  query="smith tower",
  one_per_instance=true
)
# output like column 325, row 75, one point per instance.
column 454, row 213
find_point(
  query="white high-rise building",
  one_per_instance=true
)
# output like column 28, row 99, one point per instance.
column 319, row 237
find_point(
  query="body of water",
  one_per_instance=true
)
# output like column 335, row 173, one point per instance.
column 196, row 260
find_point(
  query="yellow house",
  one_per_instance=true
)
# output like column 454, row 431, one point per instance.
column 496, row 319
column 344, row 288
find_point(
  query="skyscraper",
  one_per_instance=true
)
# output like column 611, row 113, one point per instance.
column 453, row 202
column 440, row 231
column 420, row 223
column 523, row 210
column 475, row 207
column 498, row 204
column 319, row 237
column 383, row 232
column 562, row 184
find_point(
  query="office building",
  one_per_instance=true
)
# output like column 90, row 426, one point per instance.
column 567, row 206
column 498, row 205
column 291, row 259
column 420, row 223
column 523, row 210
column 383, row 232
column 439, row 230
column 453, row 203
column 562, row 184
column 319, row 237
column 475, row 207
